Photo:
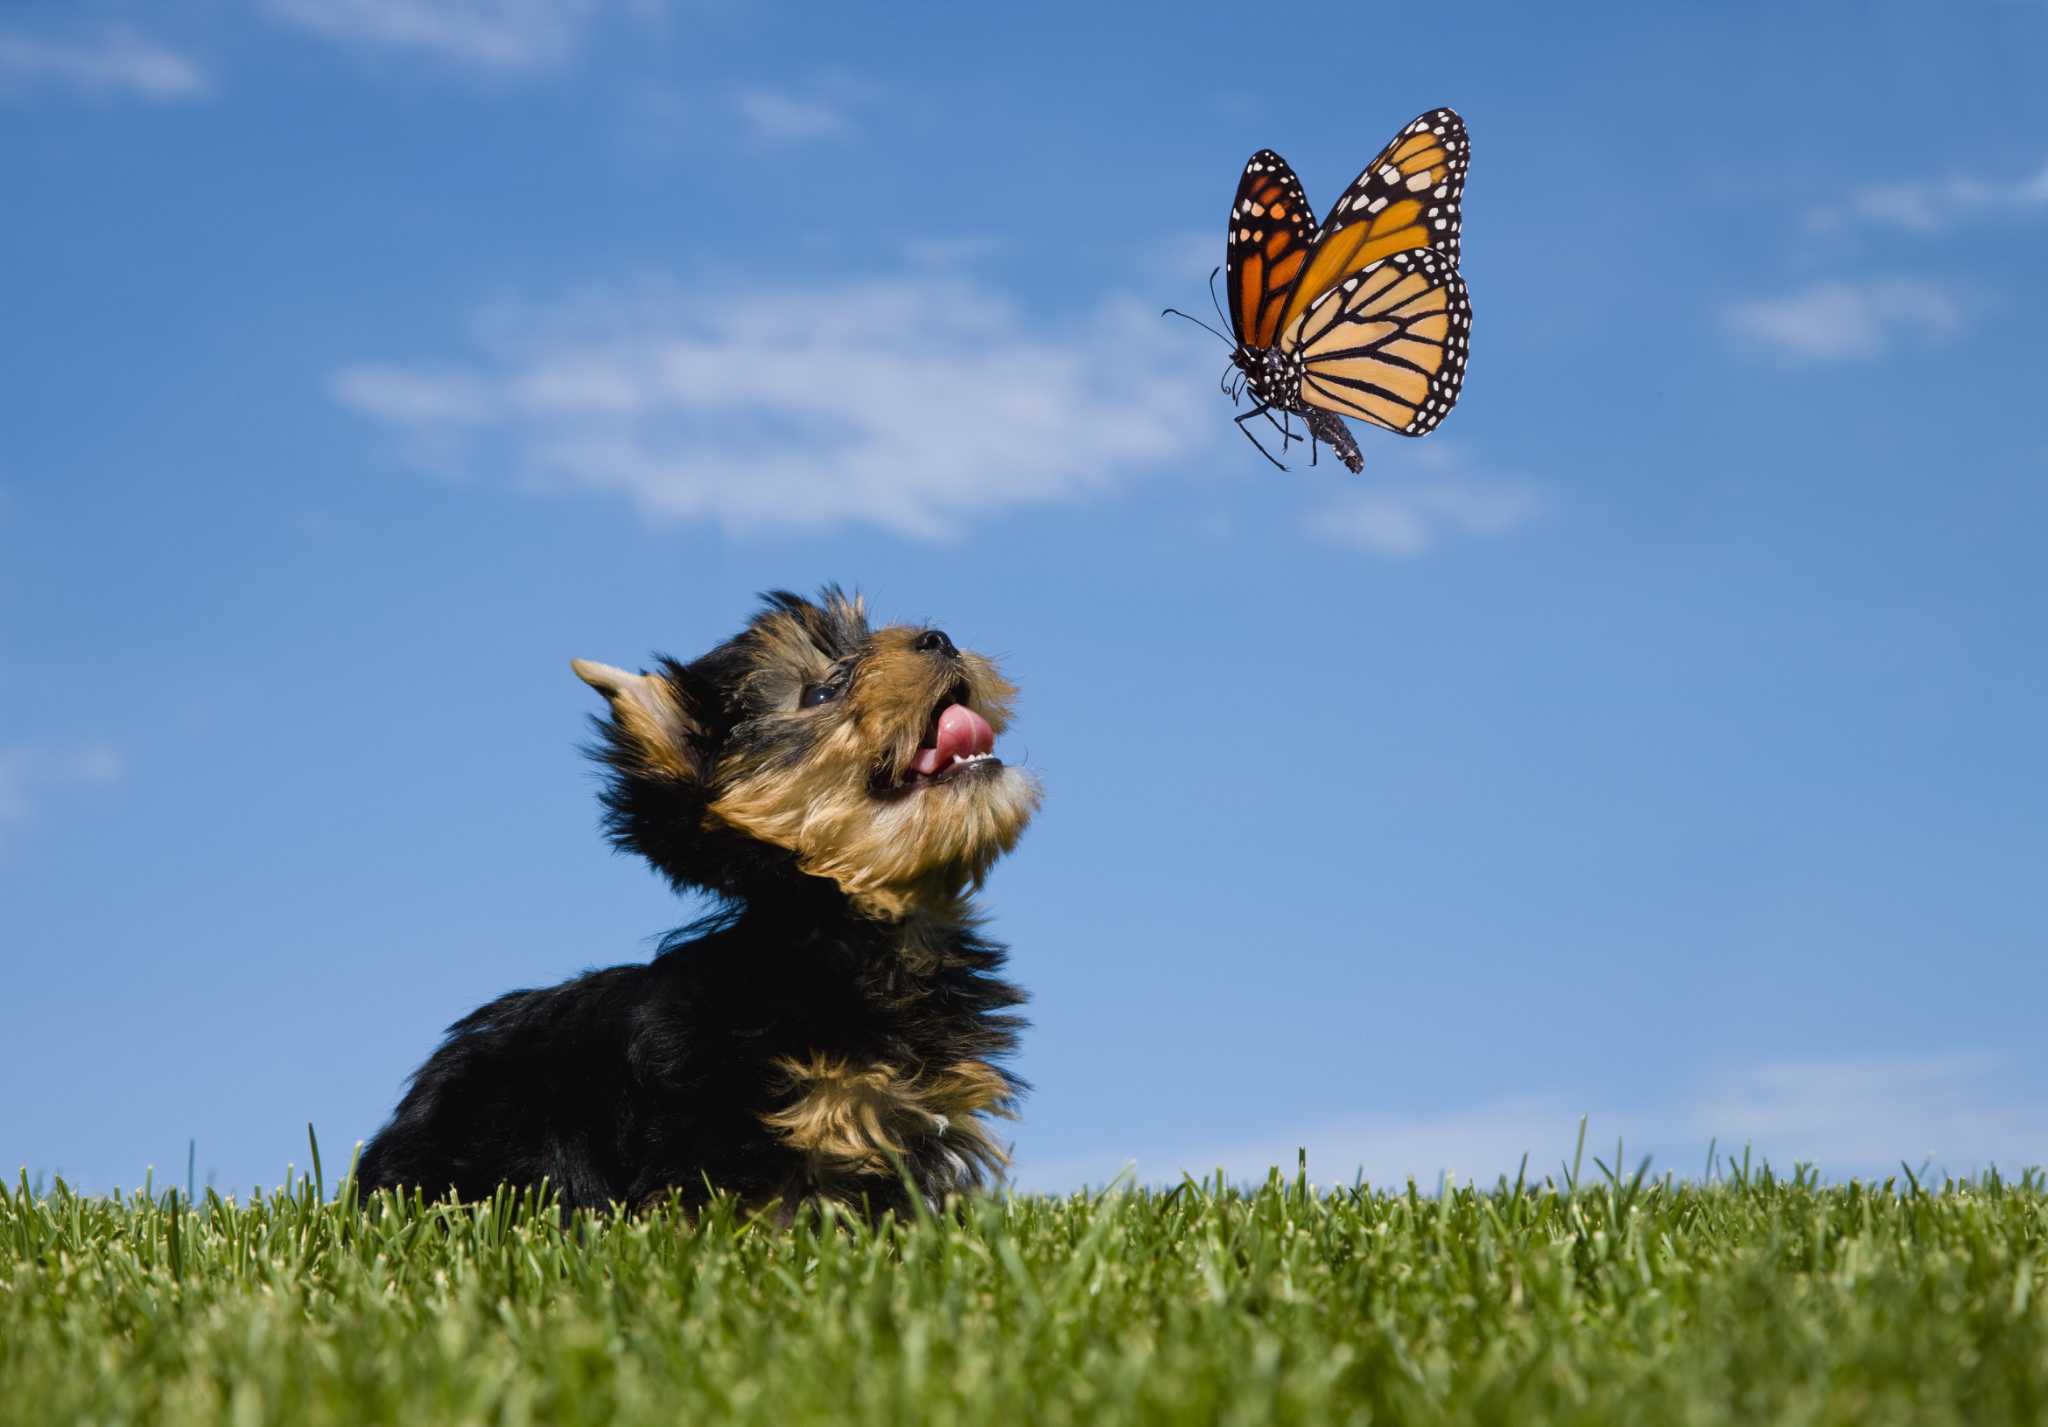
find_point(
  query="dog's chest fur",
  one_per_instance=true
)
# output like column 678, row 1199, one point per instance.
column 853, row 1066
column 853, row 1121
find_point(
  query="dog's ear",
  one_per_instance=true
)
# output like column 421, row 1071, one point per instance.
column 650, row 720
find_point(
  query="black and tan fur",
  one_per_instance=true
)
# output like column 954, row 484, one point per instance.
column 838, row 1026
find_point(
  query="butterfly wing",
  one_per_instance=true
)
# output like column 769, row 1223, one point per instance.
column 1387, row 345
column 1270, row 229
column 1411, row 196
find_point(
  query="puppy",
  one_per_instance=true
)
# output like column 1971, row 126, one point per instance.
column 836, row 1029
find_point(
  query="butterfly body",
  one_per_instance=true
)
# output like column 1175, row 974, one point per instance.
column 1272, row 378
column 1364, row 315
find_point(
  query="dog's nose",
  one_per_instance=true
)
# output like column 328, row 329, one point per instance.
column 934, row 641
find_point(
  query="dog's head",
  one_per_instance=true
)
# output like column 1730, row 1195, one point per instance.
column 810, row 744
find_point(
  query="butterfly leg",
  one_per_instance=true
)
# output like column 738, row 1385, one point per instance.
column 1284, row 425
column 1260, row 410
column 1288, row 434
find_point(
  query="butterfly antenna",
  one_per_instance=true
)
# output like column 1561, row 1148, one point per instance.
column 1212, row 297
column 1176, row 312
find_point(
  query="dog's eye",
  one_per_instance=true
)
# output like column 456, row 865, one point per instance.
column 815, row 694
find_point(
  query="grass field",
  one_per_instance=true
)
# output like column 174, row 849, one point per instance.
column 1756, row 1299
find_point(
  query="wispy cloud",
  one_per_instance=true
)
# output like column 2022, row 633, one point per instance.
column 918, row 405
column 664, row 121
column 1936, row 205
column 1839, row 321
column 1407, row 516
column 1872, row 1113
column 1479, row 1143
column 1414, row 502
column 29, row 772
column 776, row 116
column 106, row 62
column 1847, row 1116
column 420, row 400
column 501, row 36
column 955, row 250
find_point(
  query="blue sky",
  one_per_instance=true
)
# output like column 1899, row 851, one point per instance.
column 1660, row 741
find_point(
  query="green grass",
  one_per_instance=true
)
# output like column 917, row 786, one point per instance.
column 1758, row 1299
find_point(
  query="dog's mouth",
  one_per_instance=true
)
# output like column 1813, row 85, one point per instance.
column 957, row 741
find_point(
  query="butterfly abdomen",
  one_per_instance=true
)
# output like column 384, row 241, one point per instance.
column 1324, row 427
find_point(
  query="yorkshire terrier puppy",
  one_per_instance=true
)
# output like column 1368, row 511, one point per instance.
column 835, row 1030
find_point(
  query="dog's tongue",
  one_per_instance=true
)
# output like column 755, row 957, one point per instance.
column 962, row 734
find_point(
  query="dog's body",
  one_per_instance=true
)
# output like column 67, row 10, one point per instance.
column 835, row 1032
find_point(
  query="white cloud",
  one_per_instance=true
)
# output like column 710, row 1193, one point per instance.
column 1402, row 516
column 1846, row 1116
column 957, row 250
column 1837, row 321
column 918, row 405
column 27, row 772
column 503, row 36
column 1934, row 206
column 108, row 61
column 418, row 399
column 1875, row 1112
column 665, row 121
column 1477, row 1144
column 775, row 116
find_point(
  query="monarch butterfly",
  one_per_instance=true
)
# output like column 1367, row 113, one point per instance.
column 1366, row 315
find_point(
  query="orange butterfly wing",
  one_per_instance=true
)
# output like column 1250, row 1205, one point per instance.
column 1387, row 345
column 1270, row 231
column 1410, row 197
